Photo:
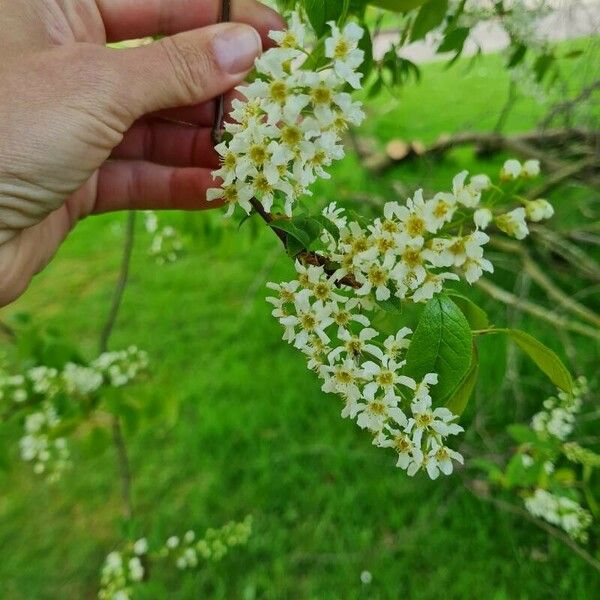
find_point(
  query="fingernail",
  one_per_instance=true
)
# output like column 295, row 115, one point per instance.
column 236, row 48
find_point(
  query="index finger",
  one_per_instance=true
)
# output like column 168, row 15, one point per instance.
column 130, row 19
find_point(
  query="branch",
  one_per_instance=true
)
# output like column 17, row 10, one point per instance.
column 566, row 106
column 7, row 331
column 569, row 171
column 528, row 145
column 553, row 531
column 538, row 275
column 117, row 431
column 537, row 311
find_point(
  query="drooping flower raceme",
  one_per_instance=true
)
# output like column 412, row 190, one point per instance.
column 44, row 394
column 405, row 255
column 287, row 131
column 126, row 569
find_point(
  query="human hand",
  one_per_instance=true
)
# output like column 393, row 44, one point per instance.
column 86, row 129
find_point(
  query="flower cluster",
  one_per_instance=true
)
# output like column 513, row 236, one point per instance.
column 287, row 131
column 49, row 454
column 167, row 243
column 121, row 367
column 353, row 360
column 560, row 511
column 186, row 551
column 124, row 569
column 41, row 391
column 406, row 254
column 558, row 417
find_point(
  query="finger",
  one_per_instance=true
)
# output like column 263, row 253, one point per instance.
column 200, row 115
column 133, row 185
column 168, row 144
column 183, row 70
column 129, row 19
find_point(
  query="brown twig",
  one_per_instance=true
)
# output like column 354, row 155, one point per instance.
column 117, row 430
column 537, row 311
column 520, row 512
column 568, row 105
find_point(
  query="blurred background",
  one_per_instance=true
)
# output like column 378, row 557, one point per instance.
column 234, row 424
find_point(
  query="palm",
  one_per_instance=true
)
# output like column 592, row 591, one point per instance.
column 95, row 142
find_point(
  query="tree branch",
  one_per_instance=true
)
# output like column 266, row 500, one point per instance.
column 117, row 431
column 520, row 512
column 566, row 106
column 537, row 311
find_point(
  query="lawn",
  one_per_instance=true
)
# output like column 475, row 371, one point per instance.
column 243, row 428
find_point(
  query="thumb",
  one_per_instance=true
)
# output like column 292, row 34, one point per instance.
column 185, row 69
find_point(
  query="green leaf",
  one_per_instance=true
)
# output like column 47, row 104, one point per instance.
column 544, row 358
column 293, row 233
column 541, row 66
column 366, row 45
column 309, row 226
column 475, row 315
column 442, row 344
column 397, row 5
column 461, row 396
column 320, row 13
column 517, row 56
column 522, row 434
column 430, row 15
column 328, row 226
column 454, row 40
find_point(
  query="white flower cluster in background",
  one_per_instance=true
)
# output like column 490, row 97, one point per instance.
column 558, row 417
column 49, row 454
column 39, row 388
column 560, row 511
column 556, row 422
column 287, row 131
column 167, row 243
column 186, row 551
column 121, row 367
column 124, row 569
column 407, row 254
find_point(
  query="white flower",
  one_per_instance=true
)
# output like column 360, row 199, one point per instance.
column 356, row 344
column 294, row 36
column 440, row 459
column 376, row 277
column 136, row 570
column 81, row 380
column 513, row 223
column 539, row 210
column 468, row 194
column 482, row 217
column 531, row 168
column 141, row 546
column 342, row 48
column 511, row 170
column 310, row 319
column 233, row 195
column 385, row 376
column 377, row 410
column 172, row 542
column 395, row 344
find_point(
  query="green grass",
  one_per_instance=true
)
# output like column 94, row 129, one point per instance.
column 247, row 430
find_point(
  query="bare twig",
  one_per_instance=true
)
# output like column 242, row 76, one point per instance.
column 569, row 171
column 508, row 105
column 520, row 512
column 568, row 105
column 117, row 431
column 537, row 274
column 537, row 311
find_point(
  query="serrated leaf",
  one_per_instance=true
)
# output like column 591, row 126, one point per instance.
column 442, row 344
column 430, row 15
column 291, row 230
column 328, row 226
column 546, row 359
column 309, row 226
column 461, row 396
column 475, row 315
